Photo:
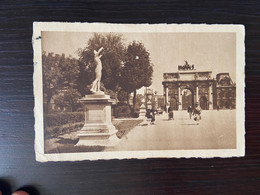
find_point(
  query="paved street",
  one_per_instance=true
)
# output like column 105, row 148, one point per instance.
column 216, row 130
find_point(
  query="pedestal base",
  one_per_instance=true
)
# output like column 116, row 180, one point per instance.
column 98, row 129
column 142, row 112
column 98, row 139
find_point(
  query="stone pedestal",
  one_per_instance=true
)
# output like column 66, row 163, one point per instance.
column 142, row 112
column 98, row 129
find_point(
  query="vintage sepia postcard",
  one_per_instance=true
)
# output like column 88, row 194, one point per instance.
column 120, row 91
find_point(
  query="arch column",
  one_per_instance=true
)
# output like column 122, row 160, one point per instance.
column 210, row 97
column 166, row 98
column 180, row 98
column 197, row 92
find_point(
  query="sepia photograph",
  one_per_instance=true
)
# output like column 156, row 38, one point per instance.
column 120, row 91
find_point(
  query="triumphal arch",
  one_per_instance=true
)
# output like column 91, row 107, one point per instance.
column 187, row 86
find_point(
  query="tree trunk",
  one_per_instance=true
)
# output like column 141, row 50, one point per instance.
column 134, row 100
column 127, row 98
column 48, row 103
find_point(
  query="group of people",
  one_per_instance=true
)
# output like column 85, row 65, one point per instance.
column 195, row 112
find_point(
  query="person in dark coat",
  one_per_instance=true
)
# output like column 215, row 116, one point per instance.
column 189, row 110
column 152, row 113
column 170, row 113
column 148, row 113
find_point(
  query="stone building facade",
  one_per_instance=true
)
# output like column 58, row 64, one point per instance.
column 224, row 92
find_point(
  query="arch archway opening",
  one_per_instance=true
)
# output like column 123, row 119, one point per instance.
column 204, row 103
column 187, row 98
column 173, row 103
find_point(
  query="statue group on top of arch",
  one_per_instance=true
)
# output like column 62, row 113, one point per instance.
column 186, row 66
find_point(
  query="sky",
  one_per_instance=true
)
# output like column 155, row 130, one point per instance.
column 208, row 51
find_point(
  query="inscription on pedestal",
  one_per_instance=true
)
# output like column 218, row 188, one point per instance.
column 95, row 113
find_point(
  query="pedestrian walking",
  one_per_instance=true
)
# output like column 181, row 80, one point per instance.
column 170, row 113
column 148, row 113
column 190, row 111
column 152, row 113
column 197, row 113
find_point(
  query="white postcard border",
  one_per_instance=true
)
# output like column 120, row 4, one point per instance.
column 104, row 27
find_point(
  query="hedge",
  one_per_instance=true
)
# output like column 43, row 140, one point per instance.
column 58, row 130
column 123, row 111
column 59, row 119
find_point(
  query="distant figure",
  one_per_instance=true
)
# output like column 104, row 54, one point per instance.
column 170, row 113
column 217, row 107
column 98, row 71
column 189, row 111
column 148, row 113
column 152, row 113
column 197, row 112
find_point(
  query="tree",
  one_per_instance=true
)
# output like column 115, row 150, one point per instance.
column 69, row 68
column 138, row 69
column 51, row 75
column 59, row 73
column 112, row 60
column 67, row 98
column 123, row 96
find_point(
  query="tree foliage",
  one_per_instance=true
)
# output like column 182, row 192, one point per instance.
column 122, row 96
column 67, row 99
column 137, row 71
column 59, row 73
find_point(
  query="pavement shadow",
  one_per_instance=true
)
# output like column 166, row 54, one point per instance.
column 120, row 134
column 178, row 119
column 67, row 141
